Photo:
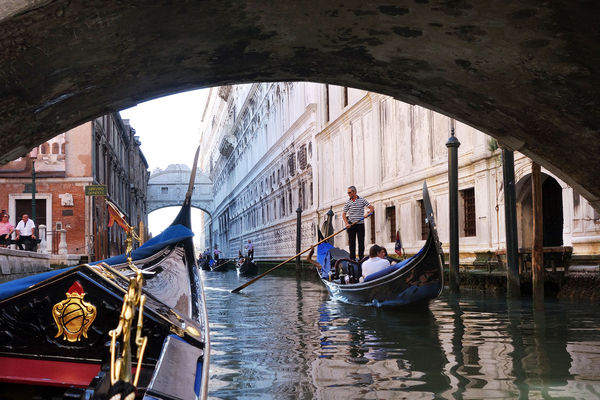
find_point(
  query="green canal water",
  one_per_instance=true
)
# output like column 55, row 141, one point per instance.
column 283, row 337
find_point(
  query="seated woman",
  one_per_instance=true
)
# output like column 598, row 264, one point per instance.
column 375, row 263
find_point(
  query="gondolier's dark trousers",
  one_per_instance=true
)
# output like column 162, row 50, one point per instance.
column 353, row 232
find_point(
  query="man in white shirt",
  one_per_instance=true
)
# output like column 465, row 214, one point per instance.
column 375, row 263
column 25, row 233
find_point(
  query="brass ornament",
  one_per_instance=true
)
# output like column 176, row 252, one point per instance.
column 73, row 316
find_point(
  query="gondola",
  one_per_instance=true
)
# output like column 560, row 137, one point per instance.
column 417, row 279
column 220, row 265
column 75, row 333
column 204, row 264
column 246, row 267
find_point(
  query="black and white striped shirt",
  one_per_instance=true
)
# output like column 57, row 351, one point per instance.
column 355, row 209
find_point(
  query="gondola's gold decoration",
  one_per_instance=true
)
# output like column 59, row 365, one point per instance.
column 120, row 366
column 73, row 316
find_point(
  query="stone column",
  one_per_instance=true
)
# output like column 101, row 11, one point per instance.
column 62, row 246
column 43, row 248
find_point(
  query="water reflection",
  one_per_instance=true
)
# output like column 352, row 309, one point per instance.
column 283, row 337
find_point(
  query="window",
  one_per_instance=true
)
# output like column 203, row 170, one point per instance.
column 345, row 96
column 424, row 225
column 164, row 190
column 372, row 227
column 45, row 148
column 390, row 218
column 54, row 148
column 468, row 200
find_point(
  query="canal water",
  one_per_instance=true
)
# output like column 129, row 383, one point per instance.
column 283, row 337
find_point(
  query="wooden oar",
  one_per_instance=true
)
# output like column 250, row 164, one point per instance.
column 236, row 290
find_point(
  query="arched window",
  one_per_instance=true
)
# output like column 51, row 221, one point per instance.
column 45, row 148
column 54, row 148
column 62, row 148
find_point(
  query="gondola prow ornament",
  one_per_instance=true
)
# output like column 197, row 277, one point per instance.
column 120, row 367
column 73, row 316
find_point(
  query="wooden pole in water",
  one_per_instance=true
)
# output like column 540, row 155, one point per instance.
column 298, row 233
column 510, row 223
column 537, row 253
column 452, row 146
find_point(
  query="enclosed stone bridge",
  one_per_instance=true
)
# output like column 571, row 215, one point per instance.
column 525, row 72
column 167, row 188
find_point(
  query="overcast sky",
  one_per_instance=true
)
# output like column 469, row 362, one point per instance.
column 169, row 129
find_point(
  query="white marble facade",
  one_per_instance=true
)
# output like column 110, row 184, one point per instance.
column 271, row 147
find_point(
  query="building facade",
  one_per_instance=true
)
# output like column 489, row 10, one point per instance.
column 104, row 151
column 272, row 147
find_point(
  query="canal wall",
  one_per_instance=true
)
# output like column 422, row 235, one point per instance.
column 16, row 264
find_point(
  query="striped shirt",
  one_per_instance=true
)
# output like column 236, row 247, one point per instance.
column 355, row 209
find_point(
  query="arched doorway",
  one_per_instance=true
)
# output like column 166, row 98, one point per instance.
column 552, row 208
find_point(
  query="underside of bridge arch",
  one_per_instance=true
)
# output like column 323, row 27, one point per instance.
column 525, row 72
column 155, row 206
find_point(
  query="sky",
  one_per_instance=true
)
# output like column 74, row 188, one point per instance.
column 169, row 129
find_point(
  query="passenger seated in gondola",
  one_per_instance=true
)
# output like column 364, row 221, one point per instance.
column 390, row 259
column 376, row 261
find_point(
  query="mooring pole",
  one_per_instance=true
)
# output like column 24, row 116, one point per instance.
column 452, row 146
column 537, row 253
column 298, row 233
column 510, row 223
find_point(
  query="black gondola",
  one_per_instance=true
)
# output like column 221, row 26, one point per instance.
column 204, row 264
column 419, row 278
column 54, row 327
column 245, row 267
column 220, row 265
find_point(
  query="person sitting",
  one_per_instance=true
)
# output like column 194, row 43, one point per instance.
column 375, row 263
column 6, row 230
column 390, row 259
column 26, row 234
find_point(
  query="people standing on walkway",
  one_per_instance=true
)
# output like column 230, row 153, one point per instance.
column 26, row 233
column 354, row 212
column 216, row 253
column 6, row 230
column 250, row 250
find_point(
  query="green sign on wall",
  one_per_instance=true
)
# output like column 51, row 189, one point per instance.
column 95, row 190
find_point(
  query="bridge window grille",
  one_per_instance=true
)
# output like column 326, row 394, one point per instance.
column 164, row 190
column 468, row 198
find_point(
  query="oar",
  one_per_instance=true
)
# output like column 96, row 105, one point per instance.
column 299, row 254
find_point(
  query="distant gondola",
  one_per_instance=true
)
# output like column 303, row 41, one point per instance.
column 54, row 327
column 220, row 265
column 204, row 264
column 245, row 267
column 416, row 279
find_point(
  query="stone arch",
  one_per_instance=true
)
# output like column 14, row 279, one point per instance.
column 454, row 60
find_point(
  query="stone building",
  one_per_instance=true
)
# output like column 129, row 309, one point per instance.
column 104, row 151
column 273, row 146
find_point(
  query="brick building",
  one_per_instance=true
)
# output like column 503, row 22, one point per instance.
column 104, row 151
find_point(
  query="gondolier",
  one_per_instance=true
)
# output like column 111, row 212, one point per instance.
column 353, row 212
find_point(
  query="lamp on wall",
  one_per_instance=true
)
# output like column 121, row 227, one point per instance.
column 33, row 156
